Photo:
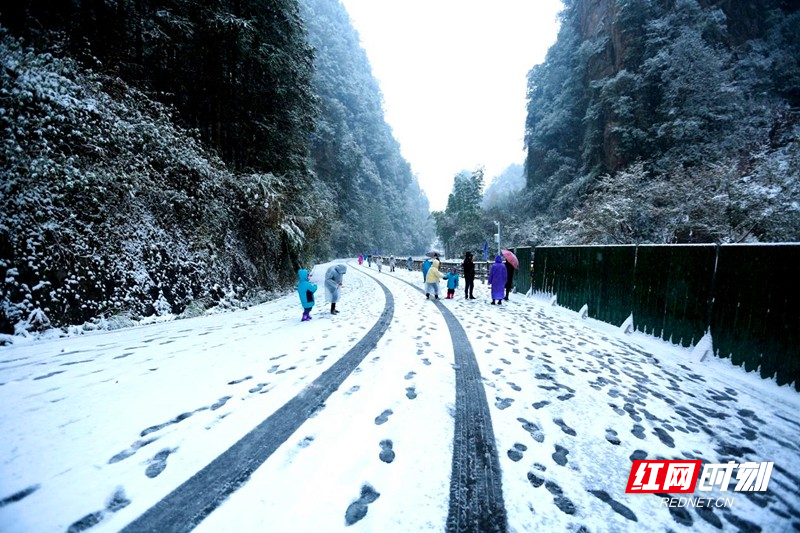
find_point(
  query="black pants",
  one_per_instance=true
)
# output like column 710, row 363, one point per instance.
column 469, row 286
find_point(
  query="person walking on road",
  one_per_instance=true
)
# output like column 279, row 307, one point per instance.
column 379, row 262
column 469, row 276
column 333, row 285
column 509, row 278
column 497, row 280
column 432, row 279
column 410, row 263
column 306, row 290
column 392, row 263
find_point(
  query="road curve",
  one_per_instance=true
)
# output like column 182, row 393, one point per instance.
column 196, row 498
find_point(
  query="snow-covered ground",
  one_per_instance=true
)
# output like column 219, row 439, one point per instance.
column 97, row 429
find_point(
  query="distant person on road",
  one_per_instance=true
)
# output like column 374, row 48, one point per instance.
column 392, row 263
column 306, row 290
column 497, row 280
column 469, row 276
column 360, row 259
column 333, row 285
column 379, row 262
column 369, row 261
column 510, row 278
column 452, row 283
column 410, row 263
column 432, row 279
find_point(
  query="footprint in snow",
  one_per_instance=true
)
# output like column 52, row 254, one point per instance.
column 158, row 463
column 410, row 375
column 117, row 501
column 611, row 436
column 383, row 417
column 257, row 388
column 564, row 427
column 502, row 403
column 560, row 455
column 534, row 430
column 387, row 454
column 411, row 393
column 358, row 509
column 515, row 454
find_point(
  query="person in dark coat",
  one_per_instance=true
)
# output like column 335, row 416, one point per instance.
column 410, row 263
column 510, row 278
column 469, row 276
column 306, row 290
column 497, row 280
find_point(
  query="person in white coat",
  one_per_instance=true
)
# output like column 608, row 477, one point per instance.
column 333, row 285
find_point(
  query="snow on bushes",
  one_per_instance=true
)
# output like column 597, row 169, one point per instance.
column 107, row 209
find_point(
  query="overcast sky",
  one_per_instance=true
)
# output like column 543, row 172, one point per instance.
column 453, row 76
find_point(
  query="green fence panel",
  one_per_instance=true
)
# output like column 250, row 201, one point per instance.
column 756, row 317
column 597, row 276
column 540, row 269
column 522, row 276
column 672, row 291
column 612, row 283
column 565, row 275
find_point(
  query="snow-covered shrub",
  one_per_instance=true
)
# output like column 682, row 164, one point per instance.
column 107, row 208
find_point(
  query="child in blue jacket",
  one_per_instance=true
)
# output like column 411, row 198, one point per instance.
column 452, row 283
column 306, row 290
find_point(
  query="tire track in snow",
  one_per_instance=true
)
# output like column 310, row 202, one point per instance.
column 187, row 506
column 476, row 491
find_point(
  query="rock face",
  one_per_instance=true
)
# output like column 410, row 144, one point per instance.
column 612, row 35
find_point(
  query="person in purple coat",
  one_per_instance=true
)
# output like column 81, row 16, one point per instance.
column 498, row 275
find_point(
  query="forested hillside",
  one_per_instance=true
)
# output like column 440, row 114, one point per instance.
column 665, row 121
column 378, row 202
column 164, row 157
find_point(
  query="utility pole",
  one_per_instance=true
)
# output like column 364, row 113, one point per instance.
column 497, row 236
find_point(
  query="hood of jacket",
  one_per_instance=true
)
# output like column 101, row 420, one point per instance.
column 498, row 259
column 341, row 269
column 302, row 274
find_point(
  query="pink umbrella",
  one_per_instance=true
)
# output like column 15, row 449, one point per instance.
column 510, row 257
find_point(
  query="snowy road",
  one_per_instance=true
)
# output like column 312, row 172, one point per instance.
column 99, row 429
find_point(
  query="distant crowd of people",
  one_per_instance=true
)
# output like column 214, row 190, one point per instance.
column 500, row 280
